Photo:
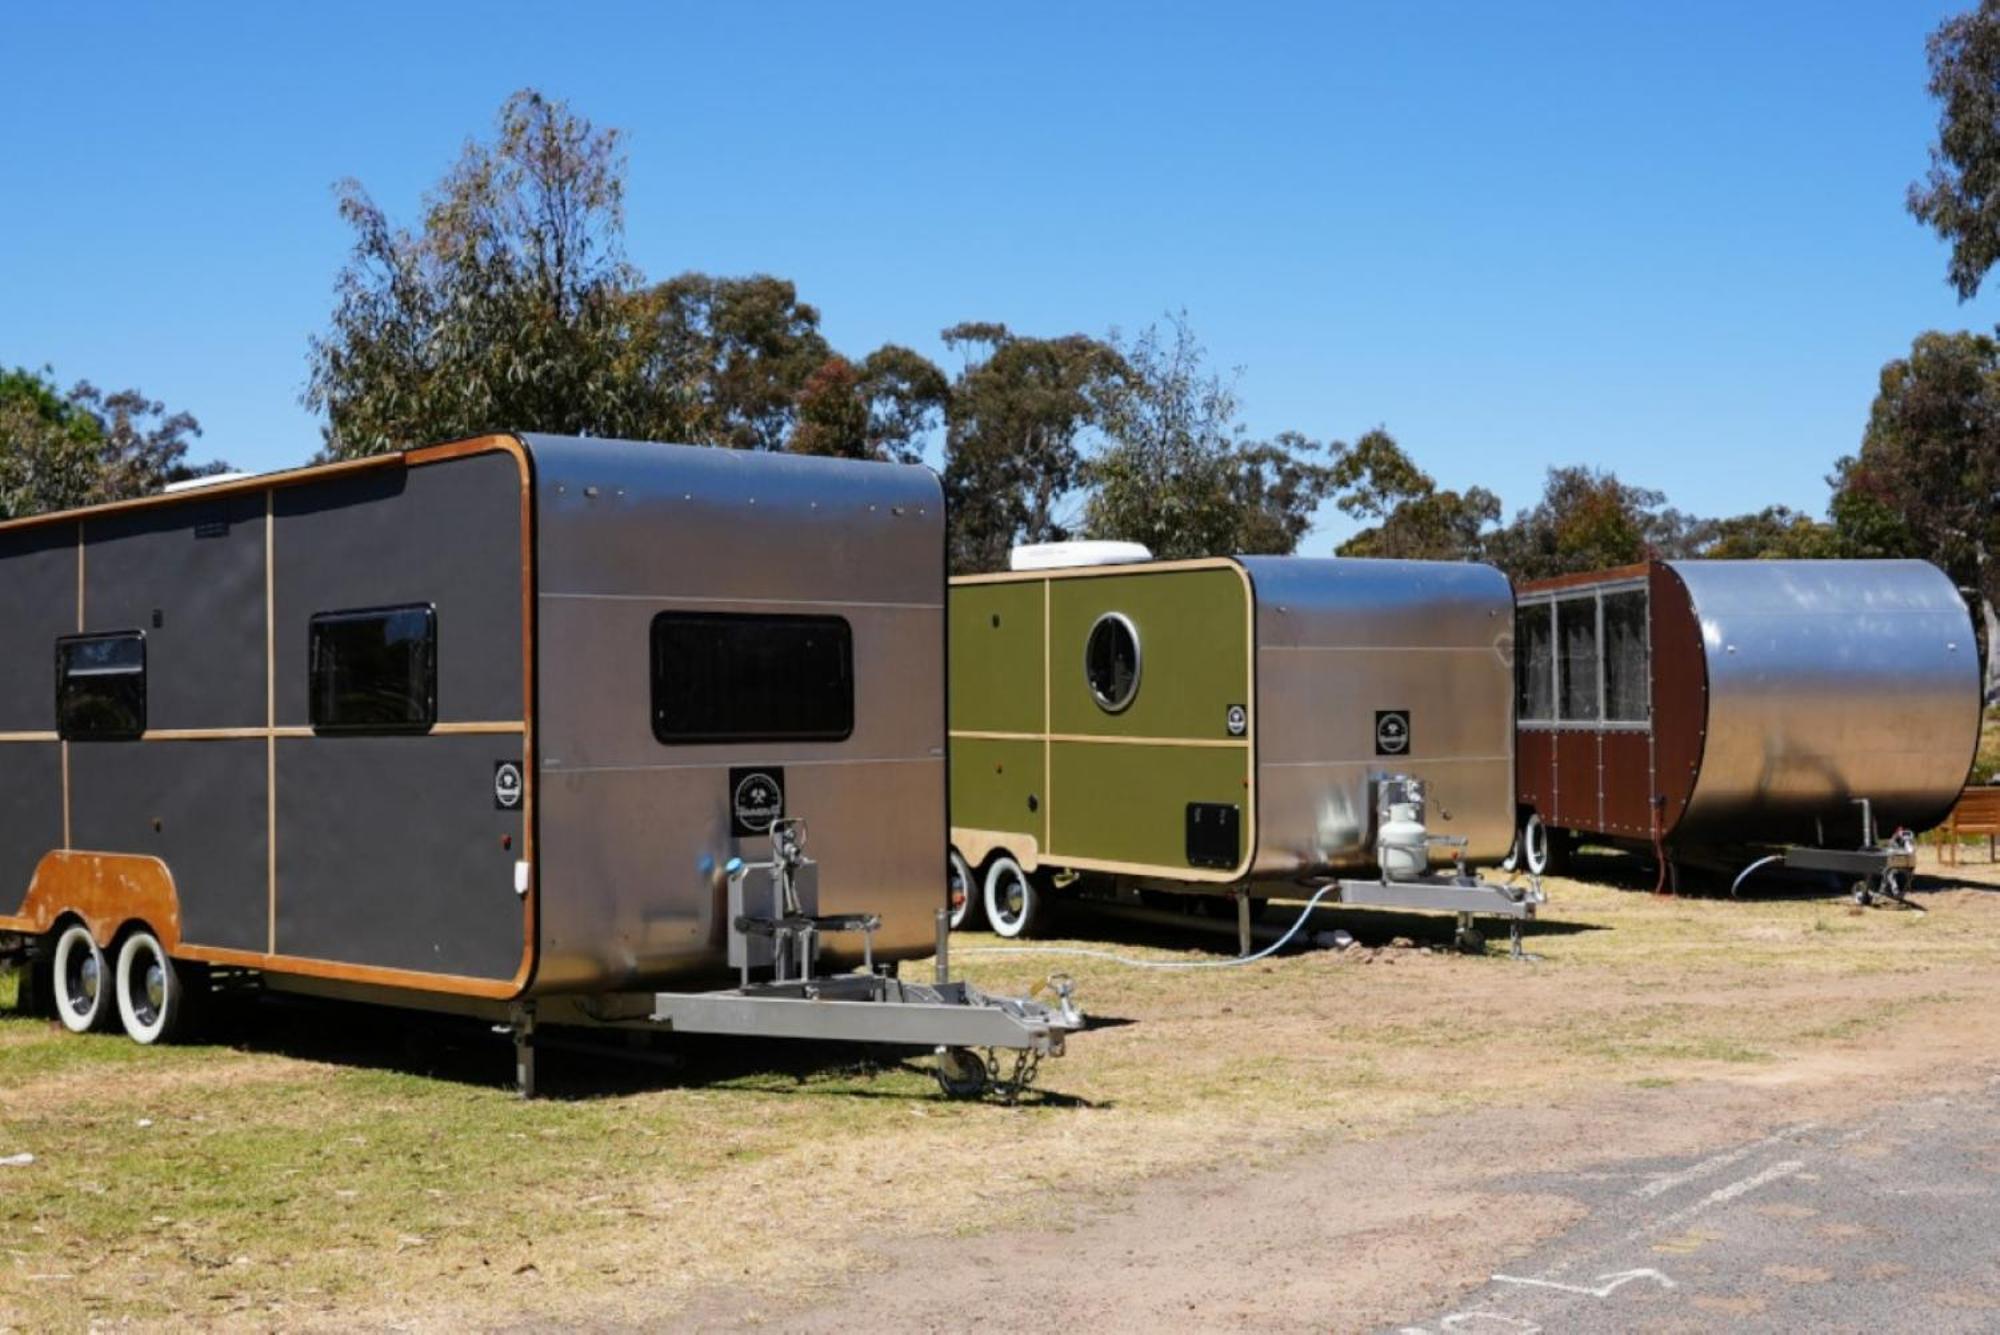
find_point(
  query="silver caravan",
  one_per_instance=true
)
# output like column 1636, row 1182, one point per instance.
column 520, row 725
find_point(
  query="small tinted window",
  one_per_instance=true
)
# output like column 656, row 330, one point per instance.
column 1626, row 678
column 374, row 670
column 736, row 677
column 101, row 686
column 1576, row 636
column 1534, row 663
column 1111, row 662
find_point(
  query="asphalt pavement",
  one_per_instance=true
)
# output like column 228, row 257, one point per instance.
column 1888, row 1224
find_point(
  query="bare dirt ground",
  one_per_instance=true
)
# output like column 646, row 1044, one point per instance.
column 1333, row 1140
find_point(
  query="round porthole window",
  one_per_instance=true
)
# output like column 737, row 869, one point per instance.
column 1111, row 662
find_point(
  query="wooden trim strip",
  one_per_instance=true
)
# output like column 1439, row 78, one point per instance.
column 270, row 721
column 498, row 728
column 1236, row 742
column 454, row 984
column 284, row 478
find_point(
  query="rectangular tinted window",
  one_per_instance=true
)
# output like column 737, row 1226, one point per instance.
column 1576, row 633
column 101, row 686
column 374, row 670
column 732, row 677
column 1626, row 679
column 1534, row 664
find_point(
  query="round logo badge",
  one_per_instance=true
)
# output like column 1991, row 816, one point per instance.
column 1237, row 720
column 507, row 785
column 1392, row 732
column 759, row 801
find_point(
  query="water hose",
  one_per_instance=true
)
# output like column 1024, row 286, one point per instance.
column 1080, row 952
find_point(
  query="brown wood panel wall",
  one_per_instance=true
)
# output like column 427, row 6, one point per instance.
column 1680, row 694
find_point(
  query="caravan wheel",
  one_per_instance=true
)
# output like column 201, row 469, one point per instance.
column 967, row 913
column 1536, row 843
column 152, row 993
column 82, row 981
column 1014, row 907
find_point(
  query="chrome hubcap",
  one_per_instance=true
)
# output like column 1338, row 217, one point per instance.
column 156, row 987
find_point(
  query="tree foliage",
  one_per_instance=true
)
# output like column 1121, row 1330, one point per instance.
column 509, row 308
column 1959, row 196
column 62, row 450
column 1012, row 454
column 1412, row 519
column 1175, row 471
column 1926, row 481
column 513, row 307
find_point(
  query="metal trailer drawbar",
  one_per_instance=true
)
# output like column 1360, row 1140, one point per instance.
column 541, row 730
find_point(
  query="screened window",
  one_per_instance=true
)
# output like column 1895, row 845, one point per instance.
column 1576, row 634
column 1111, row 662
column 734, row 677
column 101, row 686
column 1534, row 663
column 1626, row 679
column 374, row 670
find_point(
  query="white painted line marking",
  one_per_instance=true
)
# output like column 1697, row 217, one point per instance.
column 1606, row 1284
column 1695, row 1172
column 1720, row 1196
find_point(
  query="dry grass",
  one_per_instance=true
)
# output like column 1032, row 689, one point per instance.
column 318, row 1166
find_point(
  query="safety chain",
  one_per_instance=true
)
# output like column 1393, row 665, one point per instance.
column 1027, row 1064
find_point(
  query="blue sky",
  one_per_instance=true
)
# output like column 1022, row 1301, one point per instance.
column 1664, row 239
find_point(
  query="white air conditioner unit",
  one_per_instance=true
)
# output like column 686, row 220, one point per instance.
column 1057, row 555
column 197, row 483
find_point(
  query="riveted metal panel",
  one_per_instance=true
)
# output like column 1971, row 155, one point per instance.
column 37, row 604
column 1680, row 698
column 393, row 854
column 998, row 784
column 1192, row 628
column 191, row 577
column 446, row 533
column 634, row 833
column 30, row 814
column 1829, row 681
column 1340, row 643
column 1535, row 768
column 997, row 657
column 197, row 806
column 1127, row 802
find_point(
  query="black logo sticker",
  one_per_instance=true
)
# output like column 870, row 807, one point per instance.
column 507, row 785
column 1237, row 720
column 756, row 799
column 1392, row 732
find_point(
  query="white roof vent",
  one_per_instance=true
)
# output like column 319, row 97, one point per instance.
column 1057, row 555
column 197, row 483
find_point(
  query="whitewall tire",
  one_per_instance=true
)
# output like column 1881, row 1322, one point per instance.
column 152, row 992
column 1014, row 907
column 1537, row 845
column 968, row 909
column 82, row 981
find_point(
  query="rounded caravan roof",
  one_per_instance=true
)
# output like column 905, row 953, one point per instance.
column 1063, row 555
column 1827, row 682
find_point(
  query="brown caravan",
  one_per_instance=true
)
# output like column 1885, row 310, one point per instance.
column 1740, row 713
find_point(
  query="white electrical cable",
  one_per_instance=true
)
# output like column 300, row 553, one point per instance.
column 1082, row 953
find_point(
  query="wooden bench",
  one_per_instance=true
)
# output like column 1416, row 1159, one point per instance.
column 1977, row 812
